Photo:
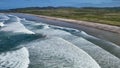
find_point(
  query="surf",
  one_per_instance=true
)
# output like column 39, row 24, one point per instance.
column 50, row 46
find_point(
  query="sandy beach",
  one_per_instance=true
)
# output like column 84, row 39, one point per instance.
column 106, row 27
column 110, row 28
column 94, row 30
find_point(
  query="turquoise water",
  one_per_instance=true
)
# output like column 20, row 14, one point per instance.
column 41, row 45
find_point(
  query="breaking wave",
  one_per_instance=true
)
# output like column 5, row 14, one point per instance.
column 1, row 24
column 52, row 46
column 14, row 25
column 56, row 52
column 15, row 59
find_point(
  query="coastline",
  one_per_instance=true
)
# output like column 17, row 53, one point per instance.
column 106, row 27
column 99, row 33
column 110, row 28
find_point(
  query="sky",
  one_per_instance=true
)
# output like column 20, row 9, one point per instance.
column 9, row 4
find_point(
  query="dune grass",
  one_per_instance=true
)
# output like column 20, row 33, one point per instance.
column 109, row 16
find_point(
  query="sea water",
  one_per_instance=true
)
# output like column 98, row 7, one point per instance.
column 28, row 44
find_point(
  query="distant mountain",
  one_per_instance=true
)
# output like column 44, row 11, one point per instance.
column 10, row 4
column 50, row 7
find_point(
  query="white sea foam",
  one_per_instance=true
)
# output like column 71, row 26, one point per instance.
column 33, row 25
column 52, row 32
column 64, row 28
column 13, row 18
column 59, row 49
column 3, row 17
column 15, row 59
column 15, row 25
column 58, row 53
column 99, row 54
column 1, row 24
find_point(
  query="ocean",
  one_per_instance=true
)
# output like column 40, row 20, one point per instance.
column 30, row 44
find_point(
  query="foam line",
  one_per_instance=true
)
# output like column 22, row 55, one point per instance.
column 1, row 24
column 109, row 46
column 3, row 17
column 56, row 52
column 15, row 25
column 15, row 59
column 99, row 54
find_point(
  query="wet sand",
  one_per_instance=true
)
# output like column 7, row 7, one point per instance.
column 95, row 31
column 106, row 27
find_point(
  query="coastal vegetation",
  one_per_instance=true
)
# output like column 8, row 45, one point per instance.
column 107, row 15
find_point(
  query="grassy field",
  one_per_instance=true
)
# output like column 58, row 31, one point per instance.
column 98, row 15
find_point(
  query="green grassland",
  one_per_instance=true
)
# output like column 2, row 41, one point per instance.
column 109, row 16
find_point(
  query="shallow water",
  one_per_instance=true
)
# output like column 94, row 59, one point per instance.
column 50, row 46
column 106, row 35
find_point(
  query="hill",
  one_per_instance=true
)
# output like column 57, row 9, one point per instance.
column 106, row 15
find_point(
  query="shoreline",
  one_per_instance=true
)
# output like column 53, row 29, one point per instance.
column 110, row 28
column 106, row 27
column 99, row 33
